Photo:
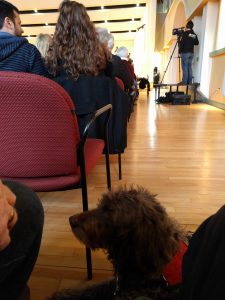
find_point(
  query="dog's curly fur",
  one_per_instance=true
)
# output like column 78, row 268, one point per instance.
column 139, row 238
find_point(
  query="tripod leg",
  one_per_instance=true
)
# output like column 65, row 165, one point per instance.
column 169, row 61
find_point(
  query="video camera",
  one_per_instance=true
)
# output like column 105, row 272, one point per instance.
column 178, row 31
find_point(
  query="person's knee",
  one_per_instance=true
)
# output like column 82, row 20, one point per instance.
column 28, row 206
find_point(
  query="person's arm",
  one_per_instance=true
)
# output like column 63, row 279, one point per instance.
column 196, row 40
column 8, row 215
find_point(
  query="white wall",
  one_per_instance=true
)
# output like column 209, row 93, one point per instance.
column 139, row 53
column 220, row 40
column 209, row 27
column 197, row 59
column 150, row 37
column 144, row 43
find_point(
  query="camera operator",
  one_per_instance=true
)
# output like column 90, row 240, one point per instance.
column 186, row 41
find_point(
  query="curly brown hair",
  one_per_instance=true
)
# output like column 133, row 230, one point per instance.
column 75, row 46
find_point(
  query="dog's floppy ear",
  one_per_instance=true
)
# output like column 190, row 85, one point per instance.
column 155, row 236
column 149, row 246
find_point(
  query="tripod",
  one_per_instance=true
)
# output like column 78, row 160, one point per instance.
column 177, row 43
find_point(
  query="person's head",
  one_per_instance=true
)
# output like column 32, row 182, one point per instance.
column 102, row 35
column 105, row 37
column 43, row 42
column 75, row 45
column 9, row 19
column 123, row 53
column 110, row 41
column 189, row 25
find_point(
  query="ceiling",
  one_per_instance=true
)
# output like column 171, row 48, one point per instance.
column 121, row 17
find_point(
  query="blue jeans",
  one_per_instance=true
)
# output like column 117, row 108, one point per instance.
column 18, row 259
column 186, row 62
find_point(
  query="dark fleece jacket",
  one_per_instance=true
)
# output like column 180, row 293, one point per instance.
column 187, row 41
column 204, row 262
column 16, row 54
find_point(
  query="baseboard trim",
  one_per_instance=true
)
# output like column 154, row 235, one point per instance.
column 202, row 98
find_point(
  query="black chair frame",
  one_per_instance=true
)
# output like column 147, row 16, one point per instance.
column 81, row 158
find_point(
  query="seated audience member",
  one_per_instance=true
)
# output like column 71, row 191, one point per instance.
column 77, row 61
column 203, row 269
column 123, row 53
column 135, row 88
column 120, row 68
column 16, row 54
column 21, row 224
column 43, row 41
column 156, row 75
column 143, row 83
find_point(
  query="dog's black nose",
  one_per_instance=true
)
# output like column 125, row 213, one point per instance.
column 73, row 221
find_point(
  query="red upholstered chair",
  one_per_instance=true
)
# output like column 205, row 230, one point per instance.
column 40, row 143
column 120, row 83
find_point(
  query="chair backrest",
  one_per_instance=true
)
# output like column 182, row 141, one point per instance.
column 120, row 83
column 38, row 127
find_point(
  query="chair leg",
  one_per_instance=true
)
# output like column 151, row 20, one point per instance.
column 108, row 175
column 120, row 166
column 84, row 193
column 89, row 263
column 85, row 208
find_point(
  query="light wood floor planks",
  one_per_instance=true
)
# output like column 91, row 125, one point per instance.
column 177, row 152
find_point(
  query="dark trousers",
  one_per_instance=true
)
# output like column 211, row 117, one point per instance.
column 18, row 259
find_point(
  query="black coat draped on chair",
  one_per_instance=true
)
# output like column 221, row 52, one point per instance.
column 92, row 92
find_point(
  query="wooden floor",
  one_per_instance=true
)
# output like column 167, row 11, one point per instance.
column 177, row 152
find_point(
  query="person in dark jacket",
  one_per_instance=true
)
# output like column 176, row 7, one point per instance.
column 16, row 54
column 203, row 267
column 187, row 40
column 120, row 68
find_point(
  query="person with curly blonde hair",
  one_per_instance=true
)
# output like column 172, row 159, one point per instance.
column 75, row 46
column 43, row 41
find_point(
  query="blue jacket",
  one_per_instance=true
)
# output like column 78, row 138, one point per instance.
column 16, row 54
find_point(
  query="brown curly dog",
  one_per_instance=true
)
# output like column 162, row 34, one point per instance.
column 141, row 241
